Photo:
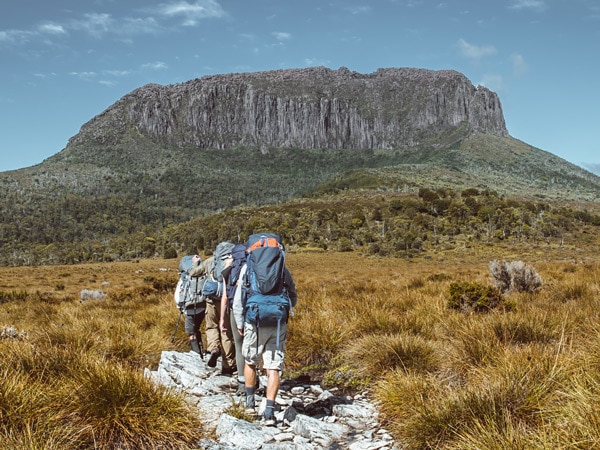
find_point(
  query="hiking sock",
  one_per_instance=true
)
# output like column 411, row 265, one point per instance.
column 194, row 345
column 270, row 410
column 250, row 397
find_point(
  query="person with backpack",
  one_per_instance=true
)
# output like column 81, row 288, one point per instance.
column 218, row 343
column 231, row 278
column 189, row 300
column 262, row 316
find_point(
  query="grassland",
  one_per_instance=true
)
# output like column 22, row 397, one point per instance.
column 529, row 377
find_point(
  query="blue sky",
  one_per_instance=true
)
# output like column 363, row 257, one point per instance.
column 65, row 61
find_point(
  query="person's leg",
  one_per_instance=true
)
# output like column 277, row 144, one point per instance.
column 250, row 352
column 212, row 333
column 250, row 379
column 238, row 339
column 273, row 359
column 190, row 326
column 196, row 341
column 228, row 346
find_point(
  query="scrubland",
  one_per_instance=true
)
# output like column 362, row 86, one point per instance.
column 527, row 376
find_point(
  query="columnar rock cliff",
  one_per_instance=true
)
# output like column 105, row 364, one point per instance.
column 305, row 108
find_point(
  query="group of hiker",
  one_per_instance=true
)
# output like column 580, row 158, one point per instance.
column 245, row 293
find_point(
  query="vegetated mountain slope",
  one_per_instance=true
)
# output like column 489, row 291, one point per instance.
column 165, row 154
column 482, row 161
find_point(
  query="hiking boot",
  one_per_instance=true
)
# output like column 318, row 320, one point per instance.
column 268, row 421
column 228, row 370
column 214, row 355
column 250, row 411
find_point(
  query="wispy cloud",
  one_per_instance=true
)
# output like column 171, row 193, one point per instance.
column 51, row 28
column 191, row 13
column 528, row 4
column 355, row 10
column 282, row 36
column 83, row 75
column 520, row 67
column 117, row 73
column 100, row 24
column 475, row 51
column 15, row 37
column 94, row 24
column 157, row 65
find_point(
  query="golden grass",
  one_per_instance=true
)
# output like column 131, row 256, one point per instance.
column 526, row 378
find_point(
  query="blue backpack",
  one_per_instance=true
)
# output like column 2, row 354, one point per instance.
column 268, row 303
column 238, row 255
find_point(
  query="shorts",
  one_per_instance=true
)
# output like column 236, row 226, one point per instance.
column 193, row 321
column 264, row 344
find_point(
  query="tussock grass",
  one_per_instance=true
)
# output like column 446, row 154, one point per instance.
column 113, row 403
column 524, row 377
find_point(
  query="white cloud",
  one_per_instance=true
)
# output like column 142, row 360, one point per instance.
column 83, row 75
column 520, row 67
column 157, row 65
column 116, row 73
column 191, row 13
column 146, row 25
column 95, row 24
column 15, row 37
column 528, row 4
column 281, row 36
column 474, row 51
column 51, row 28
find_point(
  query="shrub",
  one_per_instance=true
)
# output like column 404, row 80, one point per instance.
column 514, row 276
column 474, row 297
column 91, row 294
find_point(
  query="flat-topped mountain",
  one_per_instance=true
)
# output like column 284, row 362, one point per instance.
column 304, row 108
column 165, row 154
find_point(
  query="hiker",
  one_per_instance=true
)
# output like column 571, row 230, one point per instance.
column 264, row 337
column 231, row 276
column 189, row 300
column 217, row 343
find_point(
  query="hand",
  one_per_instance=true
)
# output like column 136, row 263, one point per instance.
column 241, row 331
column 222, row 326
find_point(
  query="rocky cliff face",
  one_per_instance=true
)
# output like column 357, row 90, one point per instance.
column 304, row 108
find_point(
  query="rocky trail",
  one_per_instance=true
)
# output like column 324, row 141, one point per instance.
column 308, row 416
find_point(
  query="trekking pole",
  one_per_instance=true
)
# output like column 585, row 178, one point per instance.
column 177, row 325
column 187, row 288
column 201, row 348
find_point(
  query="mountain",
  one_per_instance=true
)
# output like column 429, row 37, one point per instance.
column 162, row 155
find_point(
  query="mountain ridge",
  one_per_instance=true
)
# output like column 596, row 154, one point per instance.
column 162, row 155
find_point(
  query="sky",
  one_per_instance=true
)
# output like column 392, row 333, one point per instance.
column 65, row 61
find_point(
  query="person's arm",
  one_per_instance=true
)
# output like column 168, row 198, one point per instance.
column 222, row 324
column 238, row 307
column 198, row 267
column 288, row 282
